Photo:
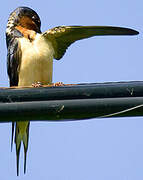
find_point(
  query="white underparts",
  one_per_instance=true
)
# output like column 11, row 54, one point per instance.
column 37, row 61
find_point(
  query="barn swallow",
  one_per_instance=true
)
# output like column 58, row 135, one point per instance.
column 31, row 53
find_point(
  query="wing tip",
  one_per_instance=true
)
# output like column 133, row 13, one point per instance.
column 133, row 32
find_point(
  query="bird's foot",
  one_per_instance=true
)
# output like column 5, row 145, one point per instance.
column 37, row 84
column 58, row 84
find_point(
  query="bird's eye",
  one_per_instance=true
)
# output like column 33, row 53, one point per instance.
column 33, row 17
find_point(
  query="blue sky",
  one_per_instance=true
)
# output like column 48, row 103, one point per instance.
column 94, row 149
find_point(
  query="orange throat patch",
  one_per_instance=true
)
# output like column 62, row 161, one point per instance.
column 27, row 27
column 27, row 33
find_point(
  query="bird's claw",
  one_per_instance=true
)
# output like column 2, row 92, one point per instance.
column 58, row 84
column 37, row 84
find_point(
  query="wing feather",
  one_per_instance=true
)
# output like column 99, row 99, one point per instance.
column 63, row 36
column 13, row 61
column 13, row 64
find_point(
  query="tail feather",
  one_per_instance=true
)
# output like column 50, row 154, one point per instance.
column 17, row 157
column 21, row 135
column 25, row 143
column 25, row 158
column 13, row 124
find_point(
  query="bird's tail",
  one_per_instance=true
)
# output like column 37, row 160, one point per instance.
column 21, row 134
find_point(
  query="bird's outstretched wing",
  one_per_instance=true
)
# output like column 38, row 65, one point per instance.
column 63, row 36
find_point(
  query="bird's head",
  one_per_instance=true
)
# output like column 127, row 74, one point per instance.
column 24, row 17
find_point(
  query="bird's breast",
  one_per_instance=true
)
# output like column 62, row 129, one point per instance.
column 36, row 61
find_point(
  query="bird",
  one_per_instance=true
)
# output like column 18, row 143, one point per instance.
column 30, row 55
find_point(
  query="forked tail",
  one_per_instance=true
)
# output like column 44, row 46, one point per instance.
column 21, row 135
